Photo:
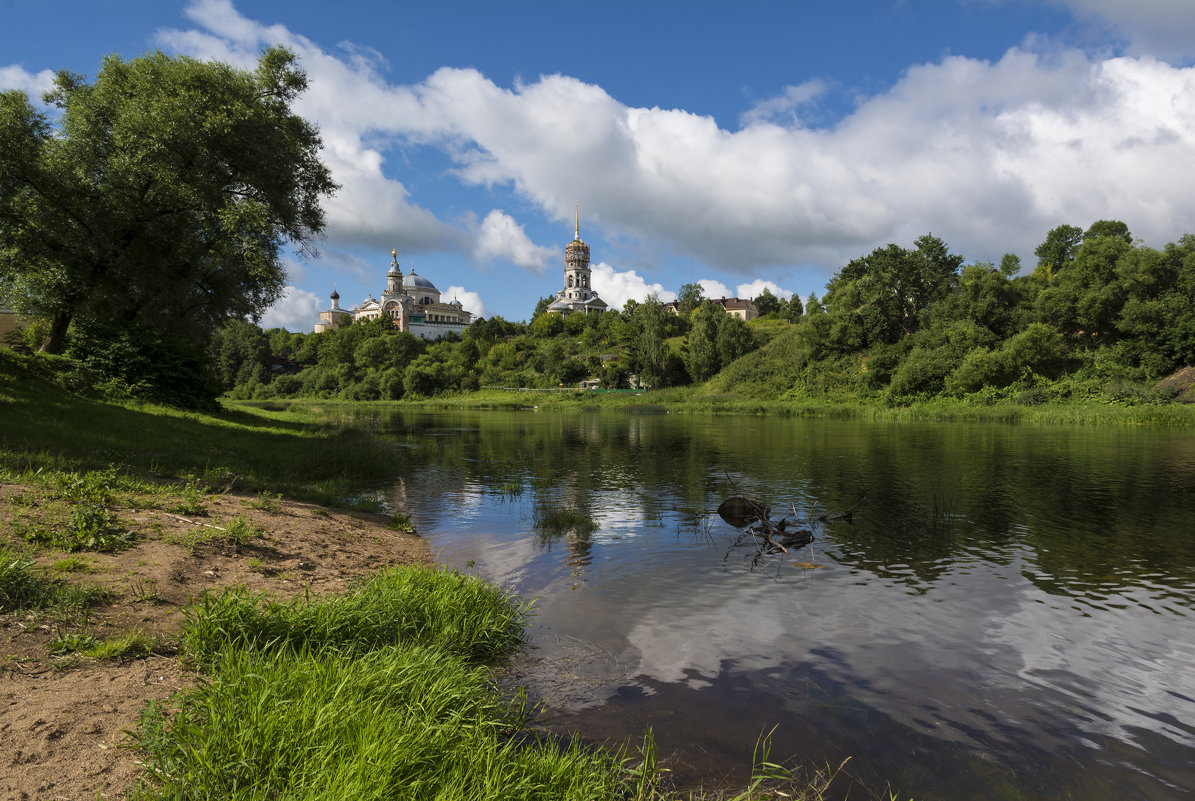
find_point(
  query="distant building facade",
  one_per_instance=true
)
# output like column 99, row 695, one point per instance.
column 410, row 300
column 745, row 309
column 578, row 294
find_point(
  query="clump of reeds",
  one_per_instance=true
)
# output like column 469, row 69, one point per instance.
column 563, row 518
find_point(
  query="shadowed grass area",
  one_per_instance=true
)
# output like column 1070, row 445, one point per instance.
column 45, row 427
column 19, row 587
column 23, row 587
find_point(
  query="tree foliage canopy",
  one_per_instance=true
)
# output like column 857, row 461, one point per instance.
column 880, row 297
column 160, row 196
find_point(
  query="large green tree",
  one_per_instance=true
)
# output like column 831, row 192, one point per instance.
column 880, row 298
column 1058, row 250
column 689, row 299
column 159, row 197
column 649, row 349
column 702, row 359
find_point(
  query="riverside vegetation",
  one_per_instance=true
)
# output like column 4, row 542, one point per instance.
column 1102, row 329
column 1101, row 321
column 380, row 682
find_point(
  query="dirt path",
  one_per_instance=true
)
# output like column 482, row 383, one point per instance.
column 63, row 719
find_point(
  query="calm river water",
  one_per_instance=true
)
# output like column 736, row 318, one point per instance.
column 1007, row 615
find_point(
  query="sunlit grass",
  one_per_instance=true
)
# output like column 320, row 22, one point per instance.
column 393, row 722
column 377, row 693
column 130, row 645
column 404, row 605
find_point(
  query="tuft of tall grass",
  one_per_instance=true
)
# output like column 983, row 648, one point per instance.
column 397, row 722
column 130, row 645
column 401, row 521
column 192, row 499
column 267, row 502
column 459, row 614
column 376, row 694
column 19, row 587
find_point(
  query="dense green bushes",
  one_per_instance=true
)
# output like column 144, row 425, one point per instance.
column 1099, row 318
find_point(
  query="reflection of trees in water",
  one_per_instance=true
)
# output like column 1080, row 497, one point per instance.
column 578, row 547
column 565, row 514
column 1088, row 506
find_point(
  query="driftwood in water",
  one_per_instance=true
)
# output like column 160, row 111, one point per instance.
column 778, row 538
column 772, row 539
column 740, row 510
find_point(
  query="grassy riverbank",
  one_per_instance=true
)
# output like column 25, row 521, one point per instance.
column 43, row 426
column 323, row 678
column 690, row 400
column 378, row 693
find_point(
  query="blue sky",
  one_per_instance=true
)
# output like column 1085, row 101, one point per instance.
column 736, row 144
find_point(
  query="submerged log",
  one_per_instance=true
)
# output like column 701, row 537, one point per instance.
column 740, row 510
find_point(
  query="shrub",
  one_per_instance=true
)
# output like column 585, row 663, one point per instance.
column 923, row 372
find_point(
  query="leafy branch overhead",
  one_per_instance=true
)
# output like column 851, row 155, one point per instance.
column 159, row 197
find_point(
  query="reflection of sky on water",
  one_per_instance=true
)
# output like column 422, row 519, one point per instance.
column 681, row 617
column 971, row 631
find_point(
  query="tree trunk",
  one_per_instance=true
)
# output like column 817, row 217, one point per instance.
column 56, row 340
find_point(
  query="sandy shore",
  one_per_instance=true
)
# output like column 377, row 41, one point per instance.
column 64, row 720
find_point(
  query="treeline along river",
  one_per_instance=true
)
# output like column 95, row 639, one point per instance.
column 1006, row 615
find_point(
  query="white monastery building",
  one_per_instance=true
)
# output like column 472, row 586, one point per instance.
column 410, row 300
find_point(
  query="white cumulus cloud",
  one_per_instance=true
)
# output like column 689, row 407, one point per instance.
column 33, row 84
column 500, row 237
column 470, row 301
column 616, row 287
column 989, row 155
column 714, row 289
column 296, row 310
column 754, row 288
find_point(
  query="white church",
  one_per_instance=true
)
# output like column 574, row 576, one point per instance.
column 578, row 294
column 410, row 300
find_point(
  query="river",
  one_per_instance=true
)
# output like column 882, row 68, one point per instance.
column 1005, row 615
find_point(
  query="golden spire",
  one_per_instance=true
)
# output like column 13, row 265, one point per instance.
column 578, row 221
column 394, row 253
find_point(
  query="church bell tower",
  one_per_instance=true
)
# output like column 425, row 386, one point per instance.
column 576, row 267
